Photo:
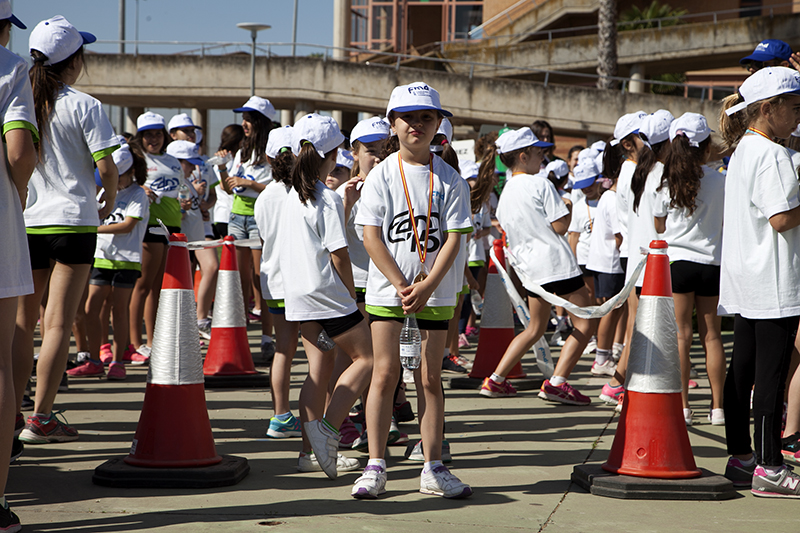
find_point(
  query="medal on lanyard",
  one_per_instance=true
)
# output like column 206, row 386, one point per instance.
column 422, row 248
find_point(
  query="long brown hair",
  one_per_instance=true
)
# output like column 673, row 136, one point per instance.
column 683, row 169
column 46, row 82
column 139, row 136
column 255, row 146
column 305, row 172
column 139, row 165
column 231, row 138
column 645, row 161
column 282, row 166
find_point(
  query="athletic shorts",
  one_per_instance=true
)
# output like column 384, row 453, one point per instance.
column 276, row 307
column 361, row 296
column 428, row 325
column 585, row 272
column 244, row 227
column 608, row 285
column 153, row 237
column 561, row 287
column 336, row 326
column 122, row 279
column 702, row 280
column 623, row 262
column 65, row 248
column 220, row 229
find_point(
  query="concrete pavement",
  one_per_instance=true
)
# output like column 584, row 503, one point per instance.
column 517, row 454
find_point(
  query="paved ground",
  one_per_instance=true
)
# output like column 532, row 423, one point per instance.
column 516, row 453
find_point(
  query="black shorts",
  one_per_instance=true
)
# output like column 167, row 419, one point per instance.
column 152, row 237
column 220, row 229
column 361, row 296
column 123, row 279
column 65, row 248
column 561, row 287
column 702, row 280
column 623, row 262
column 336, row 326
column 608, row 285
column 585, row 272
column 428, row 325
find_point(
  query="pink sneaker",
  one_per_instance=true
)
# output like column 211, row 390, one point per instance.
column 116, row 372
column 89, row 368
column 692, row 384
column 611, row 394
column 563, row 393
column 347, row 434
column 490, row 389
column 462, row 341
column 141, row 355
column 471, row 331
column 106, row 355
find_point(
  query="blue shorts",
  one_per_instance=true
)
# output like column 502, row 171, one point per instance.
column 243, row 227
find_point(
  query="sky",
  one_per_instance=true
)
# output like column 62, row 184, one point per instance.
column 182, row 20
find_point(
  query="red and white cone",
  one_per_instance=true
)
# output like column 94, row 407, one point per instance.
column 229, row 362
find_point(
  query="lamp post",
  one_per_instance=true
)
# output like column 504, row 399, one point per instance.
column 253, row 28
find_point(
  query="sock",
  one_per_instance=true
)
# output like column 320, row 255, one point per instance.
column 266, row 339
column 377, row 462
column 618, row 346
column 601, row 356
column 497, row 379
column 330, row 426
column 40, row 416
column 557, row 380
column 284, row 417
column 749, row 462
column 773, row 470
column 431, row 465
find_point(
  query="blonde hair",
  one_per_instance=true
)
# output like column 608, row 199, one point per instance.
column 733, row 127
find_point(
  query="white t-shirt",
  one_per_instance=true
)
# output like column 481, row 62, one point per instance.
column 308, row 234
column 16, row 105
column 247, row 170
column 132, row 202
column 192, row 221
column 164, row 177
column 696, row 237
column 494, row 234
column 641, row 227
column 62, row 190
column 383, row 203
column 582, row 222
column 476, row 249
column 603, row 251
column 359, row 258
column 267, row 213
column 527, row 208
column 760, row 268
column 624, row 195
column 222, row 208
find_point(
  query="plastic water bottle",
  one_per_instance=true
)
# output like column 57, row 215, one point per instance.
column 477, row 302
column 410, row 343
column 109, row 249
column 184, row 194
column 324, row 342
column 218, row 160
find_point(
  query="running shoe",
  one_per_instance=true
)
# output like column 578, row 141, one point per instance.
column 558, row 338
column 51, row 429
column 611, row 394
column 591, row 346
column 282, row 430
column 738, row 473
column 116, row 372
column 606, row 369
column 463, row 342
column 790, row 447
column 325, row 442
column 361, row 444
column 204, row 328
column 370, row 484
column 693, row 384
column 563, row 393
column 106, row 355
column 27, row 403
column 127, row 355
column 415, row 453
column 439, row 481
column 347, row 433
column 402, row 440
column 490, row 389
column 687, row 416
column 267, row 352
column 620, row 403
column 717, row 417
column 783, row 484
column 356, row 414
column 472, row 331
column 450, row 364
column 463, row 361
column 16, row 451
column 394, row 432
column 307, row 462
column 403, row 412
column 89, row 368
column 63, row 385
column 9, row 521
column 142, row 355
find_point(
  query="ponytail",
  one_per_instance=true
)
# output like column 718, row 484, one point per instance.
column 612, row 160
column 732, row 128
column 282, row 166
column 646, row 160
column 479, row 194
column 450, row 157
column 306, row 169
column 683, row 169
column 139, row 165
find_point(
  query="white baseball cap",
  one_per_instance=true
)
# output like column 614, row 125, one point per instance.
column 344, row 159
column 185, row 150
column 557, row 167
column 123, row 159
column 149, row 121
column 57, row 39
column 518, row 139
column 446, row 129
column 766, row 83
column 585, row 174
column 322, row 132
column 5, row 13
column 656, row 127
column 626, row 125
column 261, row 105
column 415, row 96
column 469, row 169
column 181, row 120
column 370, row 130
column 600, row 146
column 586, row 153
column 598, row 162
column 279, row 138
column 693, row 126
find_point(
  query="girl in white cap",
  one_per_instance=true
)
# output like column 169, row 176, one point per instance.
column 760, row 274
column 688, row 211
column 581, row 225
column 321, row 295
column 164, row 176
column 20, row 133
column 61, row 214
column 414, row 208
column 535, row 219
column 230, row 141
column 117, row 264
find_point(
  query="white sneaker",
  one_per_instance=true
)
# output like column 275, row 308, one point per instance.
column 687, row 416
column 592, row 346
column 370, row 484
column 717, row 417
column 440, row 482
column 616, row 351
column 308, row 463
column 325, row 444
column 144, row 350
column 408, row 376
column 606, row 369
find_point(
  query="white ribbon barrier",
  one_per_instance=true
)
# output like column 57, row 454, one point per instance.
column 199, row 245
column 588, row 312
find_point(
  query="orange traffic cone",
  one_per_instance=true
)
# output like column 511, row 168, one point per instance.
column 173, row 441
column 497, row 325
column 651, row 439
column 229, row 362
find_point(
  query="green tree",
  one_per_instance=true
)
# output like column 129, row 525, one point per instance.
column 637, row 18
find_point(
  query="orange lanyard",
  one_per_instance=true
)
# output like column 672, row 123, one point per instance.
column 421, row 250
column 758, row 132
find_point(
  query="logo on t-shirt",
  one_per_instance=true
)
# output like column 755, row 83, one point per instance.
column 162, row 183
column 400, row 230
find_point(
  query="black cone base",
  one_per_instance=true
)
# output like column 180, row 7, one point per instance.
column 117, row 473
column 242, row 381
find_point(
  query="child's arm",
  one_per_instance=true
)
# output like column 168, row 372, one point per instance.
column 660, row 224
column 415, row 297
column 618, row 239
column 126, row 226
column 481, row 234
column 341, row 263
column 471, row 281
column 573, row 238
column 383, row 259
column 562, row 224
column 787, row 220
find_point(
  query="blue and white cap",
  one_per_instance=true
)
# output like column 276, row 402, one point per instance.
column 279, row 138
column 149, row 121
column 626, row 125
column 656, row 127
column 557, row 167
column 185, row 150
column 181, row 120
column 765, row 84
column 693, row 126
column 322, row 132
column 5, row 13
column 518, row 139
column 585, row 174
column 768, row 50
column 344, row 159
column 259, row 105
column 57, row 39
column 413, row 97
column 370, row 130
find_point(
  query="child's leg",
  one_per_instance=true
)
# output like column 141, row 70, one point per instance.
column 431, row 403
column 281, row 370
column 793, row 393
column 738, row 386
column 209, row 267
column 94, row 305
column 684, row 305
column 385, row 373
column 315, row 387
column 356, row 343
column 578, row 339
column 709, row 325
column 120, row 299
column 452, row 329
column 152, row 254
column 540, row 313
column 622, row 365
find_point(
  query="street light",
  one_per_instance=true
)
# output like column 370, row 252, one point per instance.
column 253, row 28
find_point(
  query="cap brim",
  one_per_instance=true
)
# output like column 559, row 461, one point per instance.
column 420, row 107
column 583, row 183
column 372, row 137
column 18, row 23
column 542, row 144
column 195, row 160
column 759, row 56
column 251, row 110
column 88, row 38
column 150, row 127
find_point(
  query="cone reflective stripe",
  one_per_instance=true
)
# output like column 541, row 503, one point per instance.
column 174, row 429
column 497, row 324
column 651, row 438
